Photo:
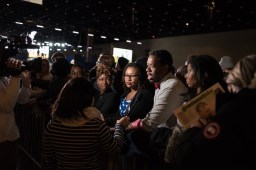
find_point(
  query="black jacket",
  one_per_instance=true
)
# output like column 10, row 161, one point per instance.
column 140, row 105
column 228, row 141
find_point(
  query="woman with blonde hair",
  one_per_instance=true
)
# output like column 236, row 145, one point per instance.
column 242, row 74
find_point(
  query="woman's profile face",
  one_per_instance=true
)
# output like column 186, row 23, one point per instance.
column 191, row 77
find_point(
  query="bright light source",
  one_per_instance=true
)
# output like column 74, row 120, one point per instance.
column 75, row 32
column 116, row 39
column 57, row 29
column 39, row 2
column 20, row 23
column 90, row 35
column 139, row 43
column 40, row 26
column 129, row 41
column 104, row 37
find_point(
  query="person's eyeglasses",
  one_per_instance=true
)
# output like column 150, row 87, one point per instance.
column 130, row 76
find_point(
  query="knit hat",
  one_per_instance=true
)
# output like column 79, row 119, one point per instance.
column 226, row 62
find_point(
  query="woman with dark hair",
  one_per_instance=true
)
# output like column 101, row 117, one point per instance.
column 203, row 71
column 77, row 136
column 106, row 100
column 228, row 140
column 137, row 100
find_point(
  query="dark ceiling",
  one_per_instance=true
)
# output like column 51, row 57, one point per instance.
column 124, row 19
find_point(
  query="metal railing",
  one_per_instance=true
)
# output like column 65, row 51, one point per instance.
column 31, row 120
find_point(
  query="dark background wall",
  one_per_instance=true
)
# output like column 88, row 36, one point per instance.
column 235, row 44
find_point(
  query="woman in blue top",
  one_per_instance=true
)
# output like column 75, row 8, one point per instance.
column 137, row 99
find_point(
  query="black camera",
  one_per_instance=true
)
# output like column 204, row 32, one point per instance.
column 10, row 47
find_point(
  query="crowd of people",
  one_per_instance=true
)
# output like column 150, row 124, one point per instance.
column 128, row 110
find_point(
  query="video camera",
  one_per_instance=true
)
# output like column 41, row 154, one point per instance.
column 10, row 47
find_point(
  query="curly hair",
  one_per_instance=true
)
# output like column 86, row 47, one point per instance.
column 101, row 70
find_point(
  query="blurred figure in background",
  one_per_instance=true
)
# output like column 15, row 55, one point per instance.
column 60, row 70
column 57, row 55
column 118, row 82
column 42, row 81
column 76, row 71
column 104, row 60
column 226, row 64
column 242, row 74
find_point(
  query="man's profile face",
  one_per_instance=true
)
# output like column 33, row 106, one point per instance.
column 154, row 70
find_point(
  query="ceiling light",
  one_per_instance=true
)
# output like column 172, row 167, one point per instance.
column 39, row 26
column 20, row 23
column 57, row 29
column 90, row 35
column 75, row 32
column 104, row 37
column 116, row 39
column 129, row 41
column 139, row 43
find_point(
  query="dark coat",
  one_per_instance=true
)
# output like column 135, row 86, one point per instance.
column 108, row 103
column 228, row 141
column 140, row 105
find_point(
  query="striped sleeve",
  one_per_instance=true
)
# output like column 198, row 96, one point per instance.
column 49, row 157
column 112, row 145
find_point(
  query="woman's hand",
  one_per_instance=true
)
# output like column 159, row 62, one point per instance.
column 124, row 121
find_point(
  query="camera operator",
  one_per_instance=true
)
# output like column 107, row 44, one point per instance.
column 13, row 89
